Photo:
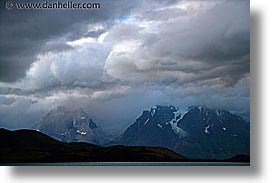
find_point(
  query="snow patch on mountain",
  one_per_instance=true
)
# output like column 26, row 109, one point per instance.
column 178, row 115
column 206, row 130
column 146, row 121
column 81, row 132
column 159, row 125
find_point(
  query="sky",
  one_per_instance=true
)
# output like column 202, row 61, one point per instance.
column 123, row 58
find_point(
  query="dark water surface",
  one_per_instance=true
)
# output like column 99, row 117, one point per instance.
column 132, row 164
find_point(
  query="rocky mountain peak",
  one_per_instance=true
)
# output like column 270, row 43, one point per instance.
column 70, row 126
column 199, row 132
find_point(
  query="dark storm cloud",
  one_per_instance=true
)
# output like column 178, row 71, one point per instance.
column 222, row 33
column 186, row 47
column 23, row 33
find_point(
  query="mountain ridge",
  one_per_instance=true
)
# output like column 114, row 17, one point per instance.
column 198, row 133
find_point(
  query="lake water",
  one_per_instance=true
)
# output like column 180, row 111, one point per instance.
column 133, row 164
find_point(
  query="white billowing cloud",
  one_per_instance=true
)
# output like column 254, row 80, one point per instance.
column 81, row 65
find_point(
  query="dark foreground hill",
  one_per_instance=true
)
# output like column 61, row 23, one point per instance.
column 32, row 146
column 29, row 146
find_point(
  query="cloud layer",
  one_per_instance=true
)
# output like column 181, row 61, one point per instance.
column 126, row 56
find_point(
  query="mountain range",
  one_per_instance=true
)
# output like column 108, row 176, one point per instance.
column 196, row 133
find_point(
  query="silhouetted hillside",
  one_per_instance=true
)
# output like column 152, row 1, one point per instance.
column 28, row 146
column 32, row 146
